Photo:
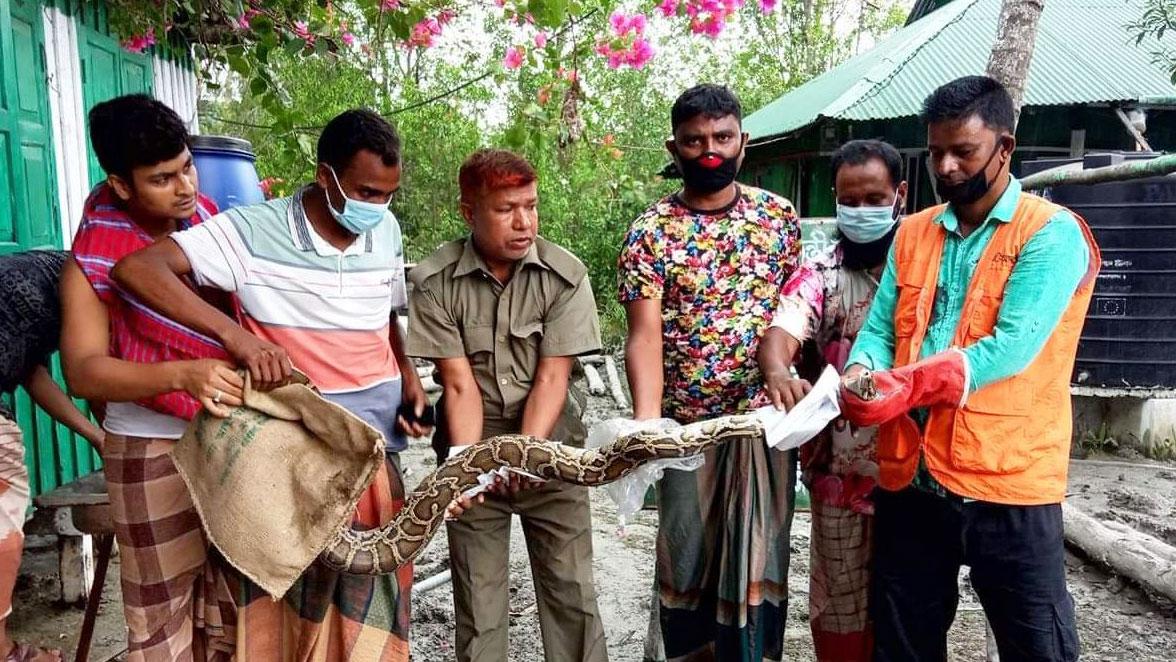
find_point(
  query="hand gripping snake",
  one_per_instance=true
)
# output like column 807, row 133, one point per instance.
column 383, row 550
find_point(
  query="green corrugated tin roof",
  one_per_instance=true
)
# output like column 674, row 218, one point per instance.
column 1084, row 54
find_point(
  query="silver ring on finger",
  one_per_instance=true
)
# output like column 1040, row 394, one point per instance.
column 216, row 397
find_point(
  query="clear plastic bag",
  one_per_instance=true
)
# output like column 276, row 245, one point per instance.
column 628, row 493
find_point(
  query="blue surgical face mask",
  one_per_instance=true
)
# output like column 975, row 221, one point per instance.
column 357, row 216
column 861, row 225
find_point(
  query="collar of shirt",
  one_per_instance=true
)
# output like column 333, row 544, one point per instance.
column 306, row 238
column 470, row 261
column 1001, row 212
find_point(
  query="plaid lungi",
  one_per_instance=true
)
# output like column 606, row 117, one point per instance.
column 328, row 615
column 723, row 552
column 176, row 601
column 14, row 503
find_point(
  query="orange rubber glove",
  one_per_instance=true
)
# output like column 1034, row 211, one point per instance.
column 940, row 380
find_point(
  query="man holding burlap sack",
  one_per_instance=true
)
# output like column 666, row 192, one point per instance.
column 316, row 276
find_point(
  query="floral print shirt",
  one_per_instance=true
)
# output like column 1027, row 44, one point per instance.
column 718, row 275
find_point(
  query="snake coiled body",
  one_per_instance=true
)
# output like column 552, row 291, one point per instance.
column 383, row 550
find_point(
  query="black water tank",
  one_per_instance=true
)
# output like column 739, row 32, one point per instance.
column 1130, row 333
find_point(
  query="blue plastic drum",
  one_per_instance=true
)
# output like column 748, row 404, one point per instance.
column 227, row 173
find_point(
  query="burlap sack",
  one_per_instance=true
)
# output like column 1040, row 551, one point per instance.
column 276, row 480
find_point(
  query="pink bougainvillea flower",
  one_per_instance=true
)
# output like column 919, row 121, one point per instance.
column 424, row 32
column 639, row 53
column 348, row 38
column 544, row 95
column 766, row 6
column 390, row 5
column 446, row 17
column 303, row 32
column 668, row 8
column 540, row 40
column 140, row 42
column 618, row 21
column 514, row 57
column 267, row 186
column 244, row 21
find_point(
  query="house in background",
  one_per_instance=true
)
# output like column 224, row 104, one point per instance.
column 59, row 58
column 1087, row 82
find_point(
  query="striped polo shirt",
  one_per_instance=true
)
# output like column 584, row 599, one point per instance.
column 330, row 309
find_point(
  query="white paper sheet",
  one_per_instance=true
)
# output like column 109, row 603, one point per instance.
column 788, row 430
column 487, row 479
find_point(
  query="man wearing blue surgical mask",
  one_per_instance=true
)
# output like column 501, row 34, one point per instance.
column 317, row 278
column 822, row 308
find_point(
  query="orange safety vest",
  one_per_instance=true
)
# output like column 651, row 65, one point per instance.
column 1010, row 442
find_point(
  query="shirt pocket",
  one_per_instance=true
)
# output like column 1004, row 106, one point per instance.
column 526, row 336
column 991, row 430
column 477, row 340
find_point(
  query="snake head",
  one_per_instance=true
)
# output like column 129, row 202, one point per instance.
column 862, row 385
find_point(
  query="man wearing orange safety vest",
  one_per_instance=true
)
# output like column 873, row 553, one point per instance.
column 970, row 343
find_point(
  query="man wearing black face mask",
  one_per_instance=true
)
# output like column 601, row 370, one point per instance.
column 971, row 340
column 700, row 274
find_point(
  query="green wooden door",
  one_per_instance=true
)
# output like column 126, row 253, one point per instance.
column 28, row 196
column 29, row 216
column 108, row 71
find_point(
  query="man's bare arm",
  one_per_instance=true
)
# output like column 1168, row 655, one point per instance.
column 643, row 357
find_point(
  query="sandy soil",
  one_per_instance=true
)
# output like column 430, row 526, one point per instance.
column 1116, row 620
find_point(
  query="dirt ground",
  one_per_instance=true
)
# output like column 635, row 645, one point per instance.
column 1116, row 620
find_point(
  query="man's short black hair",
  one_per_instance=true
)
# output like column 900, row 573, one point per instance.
column 133, row 131
column 858, row 152
column 354, row 130
column 713, row 101
column 971, row 95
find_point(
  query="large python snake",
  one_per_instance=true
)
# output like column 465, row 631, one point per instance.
column 383, row 550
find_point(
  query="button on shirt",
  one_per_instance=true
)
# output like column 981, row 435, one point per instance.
column 459, row 309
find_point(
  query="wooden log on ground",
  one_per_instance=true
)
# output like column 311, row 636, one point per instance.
column 1133, row 554
column 595, row 381
column 614, row 382
column 592, row 359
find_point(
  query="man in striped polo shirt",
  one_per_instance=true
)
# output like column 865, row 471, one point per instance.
column 317, row 278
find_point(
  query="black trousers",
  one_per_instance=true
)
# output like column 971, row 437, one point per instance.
column 1017, row 563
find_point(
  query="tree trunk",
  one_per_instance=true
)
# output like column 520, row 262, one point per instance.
column 1016, row 32
column 1135, row 555
column 1074, row 174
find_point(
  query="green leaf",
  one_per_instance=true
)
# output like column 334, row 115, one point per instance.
column 240, row 65
column 306, row 143
column 548, row 13
column 262, row 25
column 258, row 86
column 515, row 137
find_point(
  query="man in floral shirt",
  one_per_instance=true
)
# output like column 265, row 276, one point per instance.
column 700, row 276
column 822, row 308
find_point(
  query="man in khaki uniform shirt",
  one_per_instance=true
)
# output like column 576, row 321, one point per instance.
column 503, row 314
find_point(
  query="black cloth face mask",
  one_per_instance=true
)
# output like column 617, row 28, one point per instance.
column 710, row 172
column 971, row 189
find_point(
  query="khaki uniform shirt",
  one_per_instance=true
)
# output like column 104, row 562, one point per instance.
column 457, row 308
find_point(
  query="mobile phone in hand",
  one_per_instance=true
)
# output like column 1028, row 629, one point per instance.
column 428, row 416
